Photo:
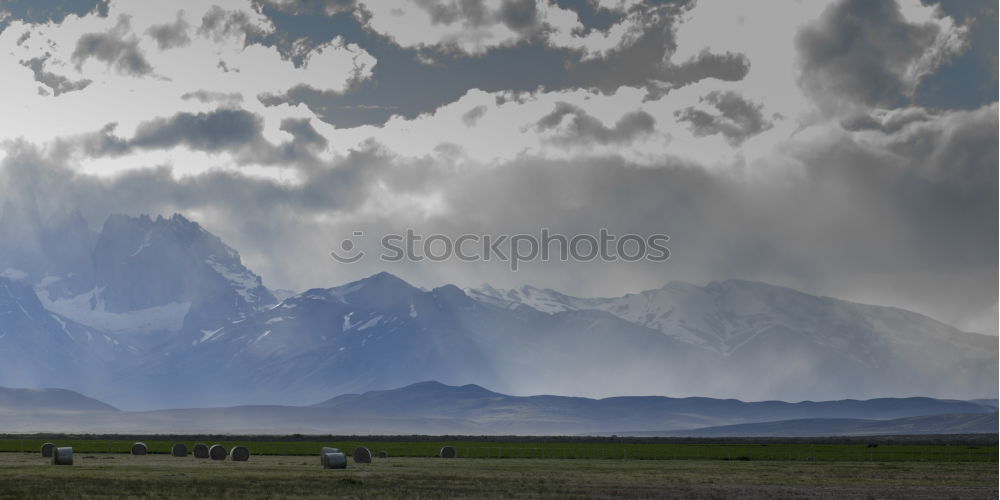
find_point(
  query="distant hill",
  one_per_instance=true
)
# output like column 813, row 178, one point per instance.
column 963, row 423
column 435, row 408
column 33, row 400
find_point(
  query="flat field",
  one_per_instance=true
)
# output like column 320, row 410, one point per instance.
column 556, row 449
column 116, row 475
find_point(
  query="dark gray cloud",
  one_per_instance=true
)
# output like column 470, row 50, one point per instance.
column 519, row 15
column 225, row 129
column 470, row 117
column 116, row 48
column 58, row 83
column 219, row 23
column 737, row 119
column 861, row 51
column 43, row 11
column 303, row 131
column 583, row 128
column 170, row 35
column 211, row 96
column 221, row 130
column 403, row 84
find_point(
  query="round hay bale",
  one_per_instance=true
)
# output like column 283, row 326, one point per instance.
column 217, row 452
column 62, row 456
column 383, row 454
column 138, row 449
column 200, row 451
column 362, row 455
column 333, row 460
column 179, row 450
column 239, row 454
column 326, row 449
column 47, row 450
column 448, row 452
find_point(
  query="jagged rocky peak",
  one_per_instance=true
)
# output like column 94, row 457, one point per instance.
column 141, row 262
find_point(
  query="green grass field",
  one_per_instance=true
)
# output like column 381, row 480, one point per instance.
column 557, row 450
column 97, row 475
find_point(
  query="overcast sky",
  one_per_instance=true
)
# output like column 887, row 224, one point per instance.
column 845, row 148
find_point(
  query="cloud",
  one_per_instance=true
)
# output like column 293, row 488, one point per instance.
column 113, row 48
column 219, row 23
column 888, row 121
column 470, row 117
column 219, row 130
column 737, row 119
column 231, row 130
column 208, row 96
column 592, row 15
column 583, row 129
column 470, row 12
column 58, row 83
column 171, row 35
column 519, row 15
column 866, row 51
column 408, row 82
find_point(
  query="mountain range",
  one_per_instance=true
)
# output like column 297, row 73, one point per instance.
column 435, row 408
column 158, row 312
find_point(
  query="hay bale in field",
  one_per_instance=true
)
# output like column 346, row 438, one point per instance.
column 62, row 456
column 239, row 454
column 362, row 455
column 383, row 454
column 200, row 451
column 448, row 452
column 217, row 452
column 179, row 450
column 47, row 450
column 326, row 449
column 138, row 449
column 333, row 460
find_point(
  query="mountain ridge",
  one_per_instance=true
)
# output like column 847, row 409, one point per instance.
column 432, row 407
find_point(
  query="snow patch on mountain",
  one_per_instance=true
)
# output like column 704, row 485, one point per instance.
column 89, row 309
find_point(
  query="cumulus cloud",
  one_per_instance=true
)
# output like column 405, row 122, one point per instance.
column 219, row 23
column 582, row 128
column 58, row 83
column 116, row 48
column 737, row 119
column 866, row 51
column 171, row 35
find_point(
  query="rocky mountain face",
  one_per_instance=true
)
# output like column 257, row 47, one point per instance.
column 39, row 348
column 167, row 315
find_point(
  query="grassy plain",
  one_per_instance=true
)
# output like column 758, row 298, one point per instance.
column 27, row 475
column 587, row 449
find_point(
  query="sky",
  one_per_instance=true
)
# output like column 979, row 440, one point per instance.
column 845, row 148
